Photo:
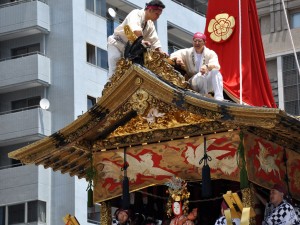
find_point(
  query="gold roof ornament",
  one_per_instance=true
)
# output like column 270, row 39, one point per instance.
column 234, row 203
column 70, row 220
column 236, row 206
column 177, row 193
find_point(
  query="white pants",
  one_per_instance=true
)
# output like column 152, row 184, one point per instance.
column 213, row 81
column 114, row 54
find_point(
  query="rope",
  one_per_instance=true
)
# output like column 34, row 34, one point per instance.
column 191, row 201
column 286, row 178
column 240, row 53
column 206, row 157
column 291, row 37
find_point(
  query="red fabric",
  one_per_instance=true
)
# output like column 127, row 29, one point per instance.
column 256, row 89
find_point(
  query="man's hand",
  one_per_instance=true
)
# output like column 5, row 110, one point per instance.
column 162, row 52
column 203, row 69
column 146, row 43
column 178, row 62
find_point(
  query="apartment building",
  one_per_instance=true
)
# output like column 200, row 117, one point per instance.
column 279, row 51
column 55, row 51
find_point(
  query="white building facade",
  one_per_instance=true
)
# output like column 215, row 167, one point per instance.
column 281, row 62
column 56, row 50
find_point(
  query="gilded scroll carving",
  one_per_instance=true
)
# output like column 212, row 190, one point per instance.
column 155, row 61
column 122, row 66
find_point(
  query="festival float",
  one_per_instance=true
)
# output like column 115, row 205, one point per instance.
column 148, row 127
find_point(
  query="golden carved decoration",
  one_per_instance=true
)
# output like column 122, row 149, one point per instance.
column 268, row 123
column 248, row 201
column 155, row 61
column 271, row 135
column 221, row 27
column 159, row 135
column 70, row 220
column 105, row 212
column 129, row 34
column 139, row 101
column 202, row 111
column 122, row 66
column 172, row 118
column 138, row 81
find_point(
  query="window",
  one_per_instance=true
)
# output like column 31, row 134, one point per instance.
column 16, row 214
column 96, row 6
column 26, row 103
column 37, row 211
column 199, row 6
column 178, row 38
column 90, row 54
column 23, row 213
column 2, row 215
column 16, row 52
column 295, row 20
column 91, row 101
column 96, row 56
column 291, row 84
column 111, row 25
column 102, row 58
column 94, row 214
column 173, row 48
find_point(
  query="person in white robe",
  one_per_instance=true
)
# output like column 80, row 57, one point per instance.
column 141, row 23
column 202, row 67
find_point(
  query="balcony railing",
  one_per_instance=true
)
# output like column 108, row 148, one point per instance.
column 24, row 126
column 21, row 55
column 11, row 166
column 27, row 69
column 20, row 18
column 196, row 6
column 20, row 2
column 18, row 110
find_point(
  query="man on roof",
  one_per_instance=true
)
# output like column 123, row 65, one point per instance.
column 141, row 22
column 202, row 67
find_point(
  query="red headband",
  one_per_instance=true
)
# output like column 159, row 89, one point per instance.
column 200, row 36
column 154, row 7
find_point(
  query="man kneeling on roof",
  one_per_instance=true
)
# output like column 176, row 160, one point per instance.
column 202, row 67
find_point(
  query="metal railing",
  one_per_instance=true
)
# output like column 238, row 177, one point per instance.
column 11, row 166
column 20, row 109
column 22, row 55
column 17, row 2
column 202, row 12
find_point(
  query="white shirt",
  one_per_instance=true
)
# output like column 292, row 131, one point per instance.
column 136, row 21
